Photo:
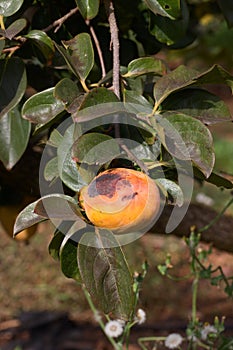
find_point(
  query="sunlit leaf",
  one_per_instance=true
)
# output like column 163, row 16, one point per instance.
column 81, row 54
column 173, row 189
column 188, row 138
column 88, row 8
column 67, row 167
column 167, row 30
column 13, row 83
column 26, row 218
column 14, row 136
column 67, row 91
column 9, row 7
column 170, row 9
column 15, row 28
column 198, row 103
column 95, row 148
column 42, row 107
column 58, row 206
column 105, row 273
column 145, row 65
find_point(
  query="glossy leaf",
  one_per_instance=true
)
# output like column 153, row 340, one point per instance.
column 190, row 139
column 68, row 260
column 170, row 31
column 88, row 8
column 43, row 42
column 26, row 218
column 55, row 244
column 95, row 148
column 81, row 54
column 145, row 65
column 14, row 136
column 173, row 189
column 13, row 83
column 67, row 167
column 105, row 273
column 198, row 103
column 57, row 206
column 51, row 170
column 15, row 28
column 179, row 78
column 103, row 101
column 42, row 107
column 67, row 91
column 170, row 9
column 9, row 7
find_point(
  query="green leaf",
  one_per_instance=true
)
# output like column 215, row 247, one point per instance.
column 139, row 104
column 170, row 31
column 9, row 7
column 188, row 138
column 67, row 91
column 15, row 28
column 179, row 78
column 51, row 170
column 216, row 179
column 81, row 54
column 170, row 9
column 55, row 244
column 69, row 261
column 88, row 8
column 67, row 167
column 198, row 103
column 14, row 136
column 13, row 83
column 183, row 77
column 145, row 65
column 42, row 107
column 55, row 138
column 57, row 206
column 95, row 148
column 43, row 42
column 26, row 218
column 173, row 189
column 105, row 273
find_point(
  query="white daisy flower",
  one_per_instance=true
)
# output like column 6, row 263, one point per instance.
column 113, row 329
column 208, row 329
column 173, row 340
column 140, row 316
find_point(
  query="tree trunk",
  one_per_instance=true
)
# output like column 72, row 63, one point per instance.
column 220, row 234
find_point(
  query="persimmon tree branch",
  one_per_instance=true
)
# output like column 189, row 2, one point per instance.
column 58, row 23
column 115, row 46
column 98, row 48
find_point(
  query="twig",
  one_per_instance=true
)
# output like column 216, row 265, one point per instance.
column 58, row 23
column 115, row 46
column 99, row 51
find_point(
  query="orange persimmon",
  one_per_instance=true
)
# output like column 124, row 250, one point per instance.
column 122, row 200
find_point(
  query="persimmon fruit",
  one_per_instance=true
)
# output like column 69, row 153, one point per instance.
column 122, row 200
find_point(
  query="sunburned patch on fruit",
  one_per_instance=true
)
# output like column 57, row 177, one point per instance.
column 121, row 199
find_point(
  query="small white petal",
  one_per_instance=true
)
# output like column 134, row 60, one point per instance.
column 140, row 316
column 113, row 329
column 207, row 330
column 173, row 340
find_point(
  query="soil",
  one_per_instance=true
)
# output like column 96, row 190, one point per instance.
column 42, row 309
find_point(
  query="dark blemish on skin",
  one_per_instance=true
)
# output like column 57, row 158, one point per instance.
column 130, row 196
column 104, row 185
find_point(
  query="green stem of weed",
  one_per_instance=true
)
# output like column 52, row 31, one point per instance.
column 205, row 228
column 115, row 345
